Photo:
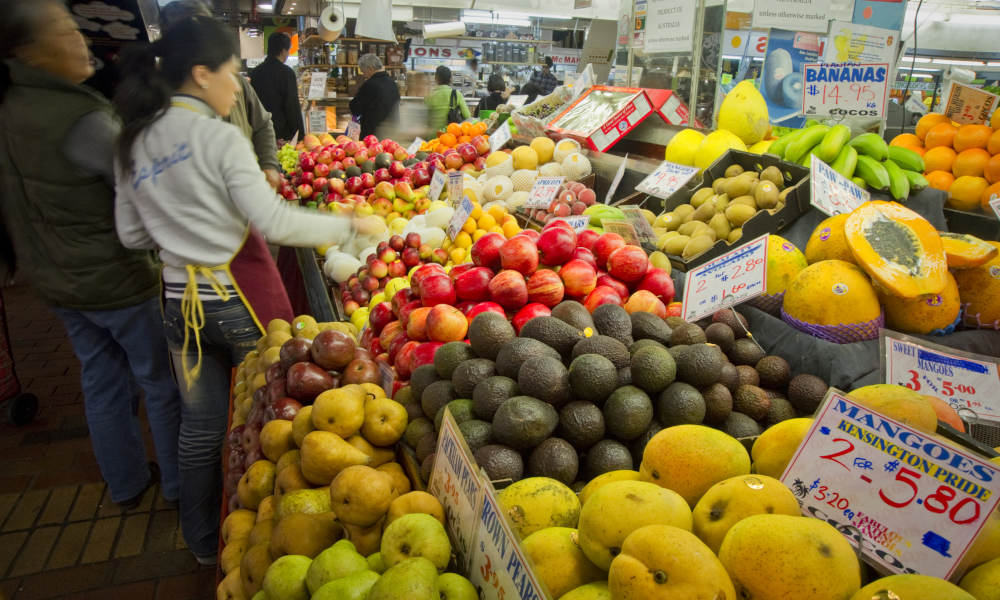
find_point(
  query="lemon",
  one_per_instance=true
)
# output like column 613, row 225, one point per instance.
column 682, row 146
column 715, row 145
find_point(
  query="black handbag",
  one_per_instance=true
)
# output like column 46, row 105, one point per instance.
column 454, row 110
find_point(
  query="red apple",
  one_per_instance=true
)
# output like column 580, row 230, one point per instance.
column 378, row 268
column 351, row 148
column 474, row 283
column 437, row 289
column 283, row 408
column 585, row 255
column 397, row 268
column 424, row 354
column 421, row 177
column 646, row 301
column 307, row 162
column 520, row 254
column 367, row 180
column 628, row 263
column 353, row 185
column 605, row 245
column 337, row 154
column 396, row 169
column 422, row 273
column 304, row 191
column 321, row 170
column 411, row 257
column 382, row 175
column 601, row 294
column 293, row 351
column 380, row 316
column 401, row 299
column 509, row 290
column 659, row 283
column 559, row 223
column 481, row 307
column 608, row 281
column 481, row 144
column 459, row 269
column 545, row 287
column 370, row 140
column 675, row 309
column 531, row 234
column 529, row 312
column 468, row 152
column 407, row 311
column 486, row 251
column 579, row 278
column 306, row 381
column 397, row 344
column 446, row 323
column 453, row 160
column 556, row 245
column 416, row 324
column 397, row 242
column 390, row 332
column 413, row 239
column 440, row 256
column 349, row 162
column 404, row 359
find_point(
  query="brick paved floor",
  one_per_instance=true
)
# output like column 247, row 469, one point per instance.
column 60, row 535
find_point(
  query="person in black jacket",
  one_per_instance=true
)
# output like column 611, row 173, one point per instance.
column 378, row 97
column 496, row 86
column 278, row 89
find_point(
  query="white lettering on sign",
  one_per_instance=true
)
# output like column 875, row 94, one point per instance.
column 969, row 105
column 431, row 52
column 917, row 500
column 456, row 186
column 501, row 136
column 845, row 90
column 794, row 15
column 544, row 190
column 666, row 179
column 438, row 179
column 462, row 212
column 732, row 278
column 831, row 192
column 456, row 484
column 415, row 146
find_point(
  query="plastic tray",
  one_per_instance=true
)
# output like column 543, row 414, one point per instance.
column 978, row 224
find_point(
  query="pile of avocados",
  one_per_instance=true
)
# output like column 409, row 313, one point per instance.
column 579, row 394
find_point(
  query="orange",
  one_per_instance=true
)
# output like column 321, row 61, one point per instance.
column 989, row 194
column 939, row 159
column 940, row 180
column 481, row 128
column 448, row 139
column 993, row 145
column 466, row 127
column 972, row 136
column 992, row 170
column 906, row 140
column 970, row 162
column 462, row 139
column 942, row 134
column 928, row 121
column 995, row 119
column 454, row 129
column 966, row 193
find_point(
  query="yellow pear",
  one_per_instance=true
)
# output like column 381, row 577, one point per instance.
column 252, row 568
column 288, row 458
column 265, row 510
column 400, row 482
column 290, row 479
column 385, row 421
column 360, row 495
column 325, row 454
column 365, row 539
column 261, row 532
column 302, row 424
column 276, row 439
column 415, row 502
column 340, row 411
column 231, row 555
column 379, row 456
column 304, row 534
column 231, row 588
column 237, row 525
column 256, row 484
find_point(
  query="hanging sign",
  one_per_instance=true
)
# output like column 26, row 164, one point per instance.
column 850, row 42
column 794, row 15
column 732, row 278
column 456, row 484
column 317, row 121
column 438, row 179
column 831, row 192
column 666, row 179
column 501, row 136
column 969, row 105
column 544, row 190
column 317, row 86
column 845, row 89
column 669, row 26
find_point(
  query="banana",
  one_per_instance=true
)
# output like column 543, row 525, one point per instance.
column 781, row 144
column 872, row 172
column 832, row 143
column 917, row 181
column 800, row 147
column 846, row 162
column 899, row 185
column 907, row 159
column 859, row 182
column 807, row 160
column 871, row 144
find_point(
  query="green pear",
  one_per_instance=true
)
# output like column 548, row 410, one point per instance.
column 375, row 563
column 261, row 595
column 350, row 587
column 455, row 587
column 339, row 560
column 286, row 578
column 416, row 534
column 413, row 579
column 308, row 501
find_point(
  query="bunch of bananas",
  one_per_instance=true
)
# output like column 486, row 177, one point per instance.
column 866, row 160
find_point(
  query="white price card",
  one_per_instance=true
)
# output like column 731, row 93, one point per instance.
column 517, row 100
column 845, row 89
column 353, row 130
column 317, row 121
column 543, row 192
column 501, row 136
column 995, row 205
column 969, row 105
column 317, row 86
column 962, row 379
column 415, row 146
column 456, row 484
column 831, row 192
column 499, row 567
column 456, row 186
column 666, row 179
column 917, row 500
column 577, row 222
column 734, row 277
column 438, row 179
column 616, row 181
column 462, row 212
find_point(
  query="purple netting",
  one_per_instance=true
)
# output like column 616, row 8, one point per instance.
column 975, row 321
column 838, row 334
column 769, row 303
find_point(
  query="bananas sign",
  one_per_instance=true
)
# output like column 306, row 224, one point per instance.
column 849, row 90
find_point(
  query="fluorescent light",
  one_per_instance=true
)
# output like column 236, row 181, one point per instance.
column 267, row 6
column 993, row 64
column 972, row 19
column 919, row 76
column 970, row 63
column 488, row 17
column 917, row 59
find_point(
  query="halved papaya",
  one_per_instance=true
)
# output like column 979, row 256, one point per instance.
column 965, row 251
column 923, row 314
column 898, row 248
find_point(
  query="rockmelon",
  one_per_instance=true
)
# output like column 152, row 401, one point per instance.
column 835, row 301
column 898, row 248
column 499, row 163
column 543, row 147
column 784, row 262
column 964, row 251
column 552, row 169
column 564, row 148
column 524, row 180
column 979, row 288
column 576, row 166
column 498, row 188
column 828, row 241
column 524, row 158
column 924, row 314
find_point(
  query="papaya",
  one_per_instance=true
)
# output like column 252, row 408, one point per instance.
column 923, row 314
column 979, row 288
column 964, row 251
column 898, row 248
column 828, row 241
column 835, row 301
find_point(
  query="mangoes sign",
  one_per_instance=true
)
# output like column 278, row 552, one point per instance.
column 456, row 484
column 917, row 500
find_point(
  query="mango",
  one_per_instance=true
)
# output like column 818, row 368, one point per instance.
column 730, row 501
column 913, row 587
column 558, row 560
column 773, row 450
column 689, row 459
column 983, row 582
column 536, row 503
column 605, row 478
column 899, row 403
column 592, row 591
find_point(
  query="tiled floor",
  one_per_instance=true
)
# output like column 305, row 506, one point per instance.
column 60, row 535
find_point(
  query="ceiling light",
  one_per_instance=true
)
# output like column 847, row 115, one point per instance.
column 267, row 7
column 488, row 17
column 973, row 19
column 969, row 63
column 922, row 76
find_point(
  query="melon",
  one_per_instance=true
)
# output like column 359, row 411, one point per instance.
column 744, row 113
column 524, row 158
column 498, row 188
column 524, row 180
column 543, row 147
column 499, row 163
column 552, row 169
column 564, row 148
column 979, row 288
column 924, row 314
column 516, row 200
column 964, row 251
column 828, row 241
column 576, row 166
column 784, row 262
column 835, row 301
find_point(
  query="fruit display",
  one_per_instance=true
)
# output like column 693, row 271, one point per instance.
column 573, row 198
column 457, row 134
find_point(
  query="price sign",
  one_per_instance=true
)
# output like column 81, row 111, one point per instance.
column 962, row 379
column 501, row 136
column 577, row 222
column 462, row 212
column 456, row 186
column 317, row 121
column 917, row 500
column 544, row 190
column 499, row 567
column 386, row 377
column 353, row 130
column 622, row 228
column 845, row 89
column 666, row 179
column 732, row 278
column 643, row 230
column 831, row 192
column 517, row 100
column 415, row 146
column 969, row 105
column 995, row 205
column 456, row 484
column 616, row 181
column 317, row 86
column 438, row 179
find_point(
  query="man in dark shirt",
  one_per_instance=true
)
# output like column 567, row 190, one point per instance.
column 277, row 88
column 378, row 97
column 544, row 78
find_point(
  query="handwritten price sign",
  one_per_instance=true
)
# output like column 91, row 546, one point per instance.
column 415, row 146
column 462, row 212
column 917, row 500
column 544, row 190
column 732, row 278
column 963, row 380
column 848, row 90
column 969, row 105
column 501, row 136
column 624, row 229
column 353, row 130
column 831, row 192
column 438, row 179
column 643, row 230
column 666, row 179
column 456, row 186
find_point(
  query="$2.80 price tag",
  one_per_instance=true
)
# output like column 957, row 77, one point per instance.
column 666, row 179
column 544, row 190
column 732, row 278
column 831, row 192
column 462, row 212
column 455, row 482
column 438, row 179
column 917, row 500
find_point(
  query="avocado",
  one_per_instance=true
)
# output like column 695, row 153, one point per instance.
column 448, row 357
column 337, row 174
column 353, row 171
column 488, row 332
column 627, row 413
column 367, row 166
column 414, row 411
column 556, row 459
column 409, row 162
column 745, row 351
column 421, row 155
column 461, row 411
column 700, row 365
column 680, row 404
column 606, row 346
column 653, row 369
column 740, row 425
column 675, row 322
column 405, row 394
column 751, row 401
column 640, row 344
column 422, row 376
column 607, row 455
column 383, row 160
column 416, row 429
column 469, row 373
column 718, row 403
column 592, row 378
column 426, row 467
column 544, row 378
column 490, row 394
column 556, row 334
column 678, row 351
column 613, row 321
column 500, row 462
column 435, row 396
column 581, row 424
column 426, row 445
column 639, row 443
column 523, row 422
column 517, row 351
column 624, row 376
column 746, row 375
column 647, row 326
column 721, row 335
column 573, row 313
column 729, row 376
column 476, row 433
column 774, row 372
column 806, row 392
column 737, row 322
column 780, row 410
column 688, row 334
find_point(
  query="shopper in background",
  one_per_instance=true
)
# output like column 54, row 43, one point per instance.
column 544, row 79
column 531, row 91
column 278, row 89
column 474, row 68
column 57, row 203
column 496, row 86
column 248, row 113
column 188, row 184
column 378, row 97
column 444, row 104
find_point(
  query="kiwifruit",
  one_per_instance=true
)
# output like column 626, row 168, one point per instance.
column 719, row 185
column 696, row 246
column 701, row 196
column 691, row 227
column 784, row 194
column 747, row 200
column 773, row 174
column 733, row 170
column 735, row 235
column 739, row 186
column 670, row 221
column 720, row 225
column 766, row 195
column 721, row 201
column 738, row 214
column 683, row 210
column 704, row 213
column 675, row 245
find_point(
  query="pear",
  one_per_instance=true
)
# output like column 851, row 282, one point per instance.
column 350, row 587
column 339, row 560
column 340, row 410
column 286, row 578
column 416, row 534
column 304, row 534
column 325, row 454
column 413, row 579
column 308, row 501
column 455, row 587
column 375, row 563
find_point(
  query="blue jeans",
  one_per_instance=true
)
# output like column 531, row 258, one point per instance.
column 228, row 335
column 118, row 349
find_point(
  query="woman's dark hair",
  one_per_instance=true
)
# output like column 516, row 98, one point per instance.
column 19, row 20
column 496, row 84
column 277, row 43
column 531, row 91
column 442, row 75
column 144, row 94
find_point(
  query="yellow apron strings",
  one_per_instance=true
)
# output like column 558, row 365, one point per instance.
column 194, row 316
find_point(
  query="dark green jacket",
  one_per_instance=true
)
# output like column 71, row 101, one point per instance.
column 58, row 218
